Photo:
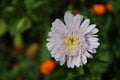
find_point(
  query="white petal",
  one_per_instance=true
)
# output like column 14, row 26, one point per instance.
column 55, row 49
column 60, row 24
column 77, row 62
column 57, row 55
column 94, row 31
column 93, row 39
column 84, row 59
column 62, row 60
column 84, row 24
column 58, row 27
column 88, row 55
column 94, row 44
column 52, row 34
column 54, row 39
column 53, row 52
column 91, row 27
column 80, row 57
column 90, row 36
column 92, row 50
column 69, row 61
column 50, row 46
column 77, row 21
column 73, row 62
column 68, row 20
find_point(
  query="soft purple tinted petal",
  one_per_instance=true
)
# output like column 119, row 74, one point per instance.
column 84, row 25
column 77, row 62
column 68, row 20
column 93, row 39
column 50, row 46
column 84, row 59
column 92, row 50
column 94, row 31
column 88, row 55
column 94, row 44
column 77, row 21
column 58, row 27
column 62, row 60
column 91, row 27
column 69, row 61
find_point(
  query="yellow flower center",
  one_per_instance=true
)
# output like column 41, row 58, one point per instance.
column 71, row 41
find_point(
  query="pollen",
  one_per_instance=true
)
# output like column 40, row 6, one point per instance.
column 71, row 41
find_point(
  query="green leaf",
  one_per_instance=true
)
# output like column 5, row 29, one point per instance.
column 37, row 4
column 44, row 54
column 97, row 68
column 29, row 4
column 20, row 26
column 10, row 75
column 3, row 28
column 18, row 41
column 81, row 70
column 72, row 77
column 9, row 9
column 115, row 5
column 105, row 57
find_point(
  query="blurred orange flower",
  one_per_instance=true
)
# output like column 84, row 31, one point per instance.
column 18, row 42
column 109, row 7
column 32, row 50
column 20, row 48
column 47, row 67
column 99, row 9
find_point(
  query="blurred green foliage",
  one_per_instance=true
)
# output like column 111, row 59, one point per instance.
column 32, row 20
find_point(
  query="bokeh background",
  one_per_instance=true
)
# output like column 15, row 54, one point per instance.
column 24, row 25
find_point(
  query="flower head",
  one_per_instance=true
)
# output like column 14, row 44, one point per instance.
column 47, row 67
column 73, row 41
column 32, row 50
column 109, row 6
column 99, row 9
column 18, row 43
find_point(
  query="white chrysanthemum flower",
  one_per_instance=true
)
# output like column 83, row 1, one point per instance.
column 73, row 41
